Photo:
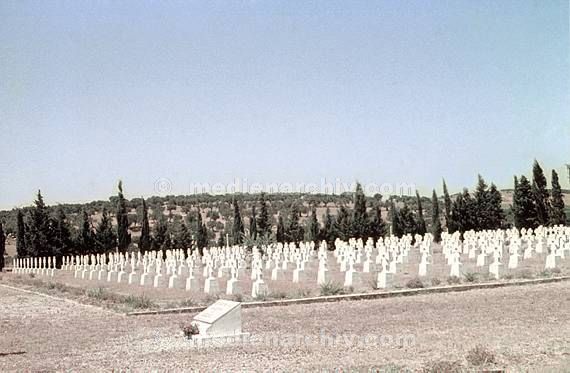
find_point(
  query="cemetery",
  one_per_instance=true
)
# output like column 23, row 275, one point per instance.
column 279, row 271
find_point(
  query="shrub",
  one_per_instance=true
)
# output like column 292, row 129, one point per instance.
column 278, row 295
column 415, row 283
column 187, row 303
column 139, row 302
column 525, row 274
column 190, row 330
column 509, row 276
column 238, row 298
column 435, row 281
column 545, row 273
column 453, row 280
column 303, row 293
column 331, row 288
column 32, row 275
column 479, row 355
column 556, row 270
column 442, row 366
column 471, row 276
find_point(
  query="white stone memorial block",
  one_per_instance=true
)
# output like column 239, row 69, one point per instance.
column 221, row 319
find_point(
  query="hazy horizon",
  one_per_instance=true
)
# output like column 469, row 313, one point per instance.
column 278, row 92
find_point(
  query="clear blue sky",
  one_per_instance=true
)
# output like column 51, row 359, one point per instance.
column 278, row 91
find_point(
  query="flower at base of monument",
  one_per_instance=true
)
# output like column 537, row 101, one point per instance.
column 190, row 330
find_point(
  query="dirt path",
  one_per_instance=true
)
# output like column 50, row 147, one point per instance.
column 526, row 327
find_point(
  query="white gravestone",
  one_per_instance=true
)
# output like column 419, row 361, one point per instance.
column 221, row 320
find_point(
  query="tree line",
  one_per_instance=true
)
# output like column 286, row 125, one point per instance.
column 44, row 233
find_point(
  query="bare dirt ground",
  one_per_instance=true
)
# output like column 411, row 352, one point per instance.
column 526, row 328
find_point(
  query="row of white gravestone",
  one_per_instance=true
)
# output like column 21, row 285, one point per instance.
column 290, row 262
column 481, row 246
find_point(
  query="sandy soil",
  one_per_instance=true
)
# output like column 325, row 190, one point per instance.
column 527, row 328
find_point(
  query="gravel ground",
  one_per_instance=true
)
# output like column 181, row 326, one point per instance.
column 527, row 328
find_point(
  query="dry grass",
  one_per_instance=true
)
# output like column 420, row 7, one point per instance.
column 445, row 327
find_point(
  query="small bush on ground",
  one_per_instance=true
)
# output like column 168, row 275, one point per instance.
column 238, row 298
column 190, row 330
column 415, row 283
column 556, row 270
column 331, row 288
column 509, row 276
column 139, row 302
column 278, row 295
column 453, row 280
column 435, row 281
column 480, row 355
column 525, row 274
column 471, row 276
column 442, row 366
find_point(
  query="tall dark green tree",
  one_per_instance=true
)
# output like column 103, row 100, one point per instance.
column 464, row 212
column 63, row 243
column 328, row 231
column 105, row 237
column 524, row 208
column 161, row 236
column 85, row 241
column 182, row 237
column 253, row 224
column 397, row 226
column 376, row 226
column 202, row 233
column 359, row 216
column 557, row 214
column 495, row 212
column 435, row 220
column 39, row 230
column 238, row 228
column 281, row 234
column 407, row 220
column 447, row 204
column 295, row 231
column 343, row 225
column 123, row 235
column 540, row 194
column 482, row 203
column 263, row 223
column 2, row 246
column 313, row 227
column 421, row 228
column 144, row 242
column 21, row 249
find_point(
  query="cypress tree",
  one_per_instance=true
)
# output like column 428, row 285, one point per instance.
column 295, row 232
column 343, row 226
column 328, row 231
column 263, row 224
column 123, row 235
column 85, row 242
column 557, row 214
column 421, row 223
column 406, row 219
column 144, row 243
column 540, row 194
column 464, row 212
column 2, row 246
column 63, row 243
column 524, row 208
column 397, row 228
column 160, row 234
column 448, row 206
column 253, row 225
column 359, row 216
column 39, row 230
column 238, row 229
column 435, row 221
column 202, row 233
column 495, row 213
column 377, row 227
column 482, row 203
column 280, row 237
column 105, row 237
column 182, row 237
column 21, row 249
column 313, row 228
